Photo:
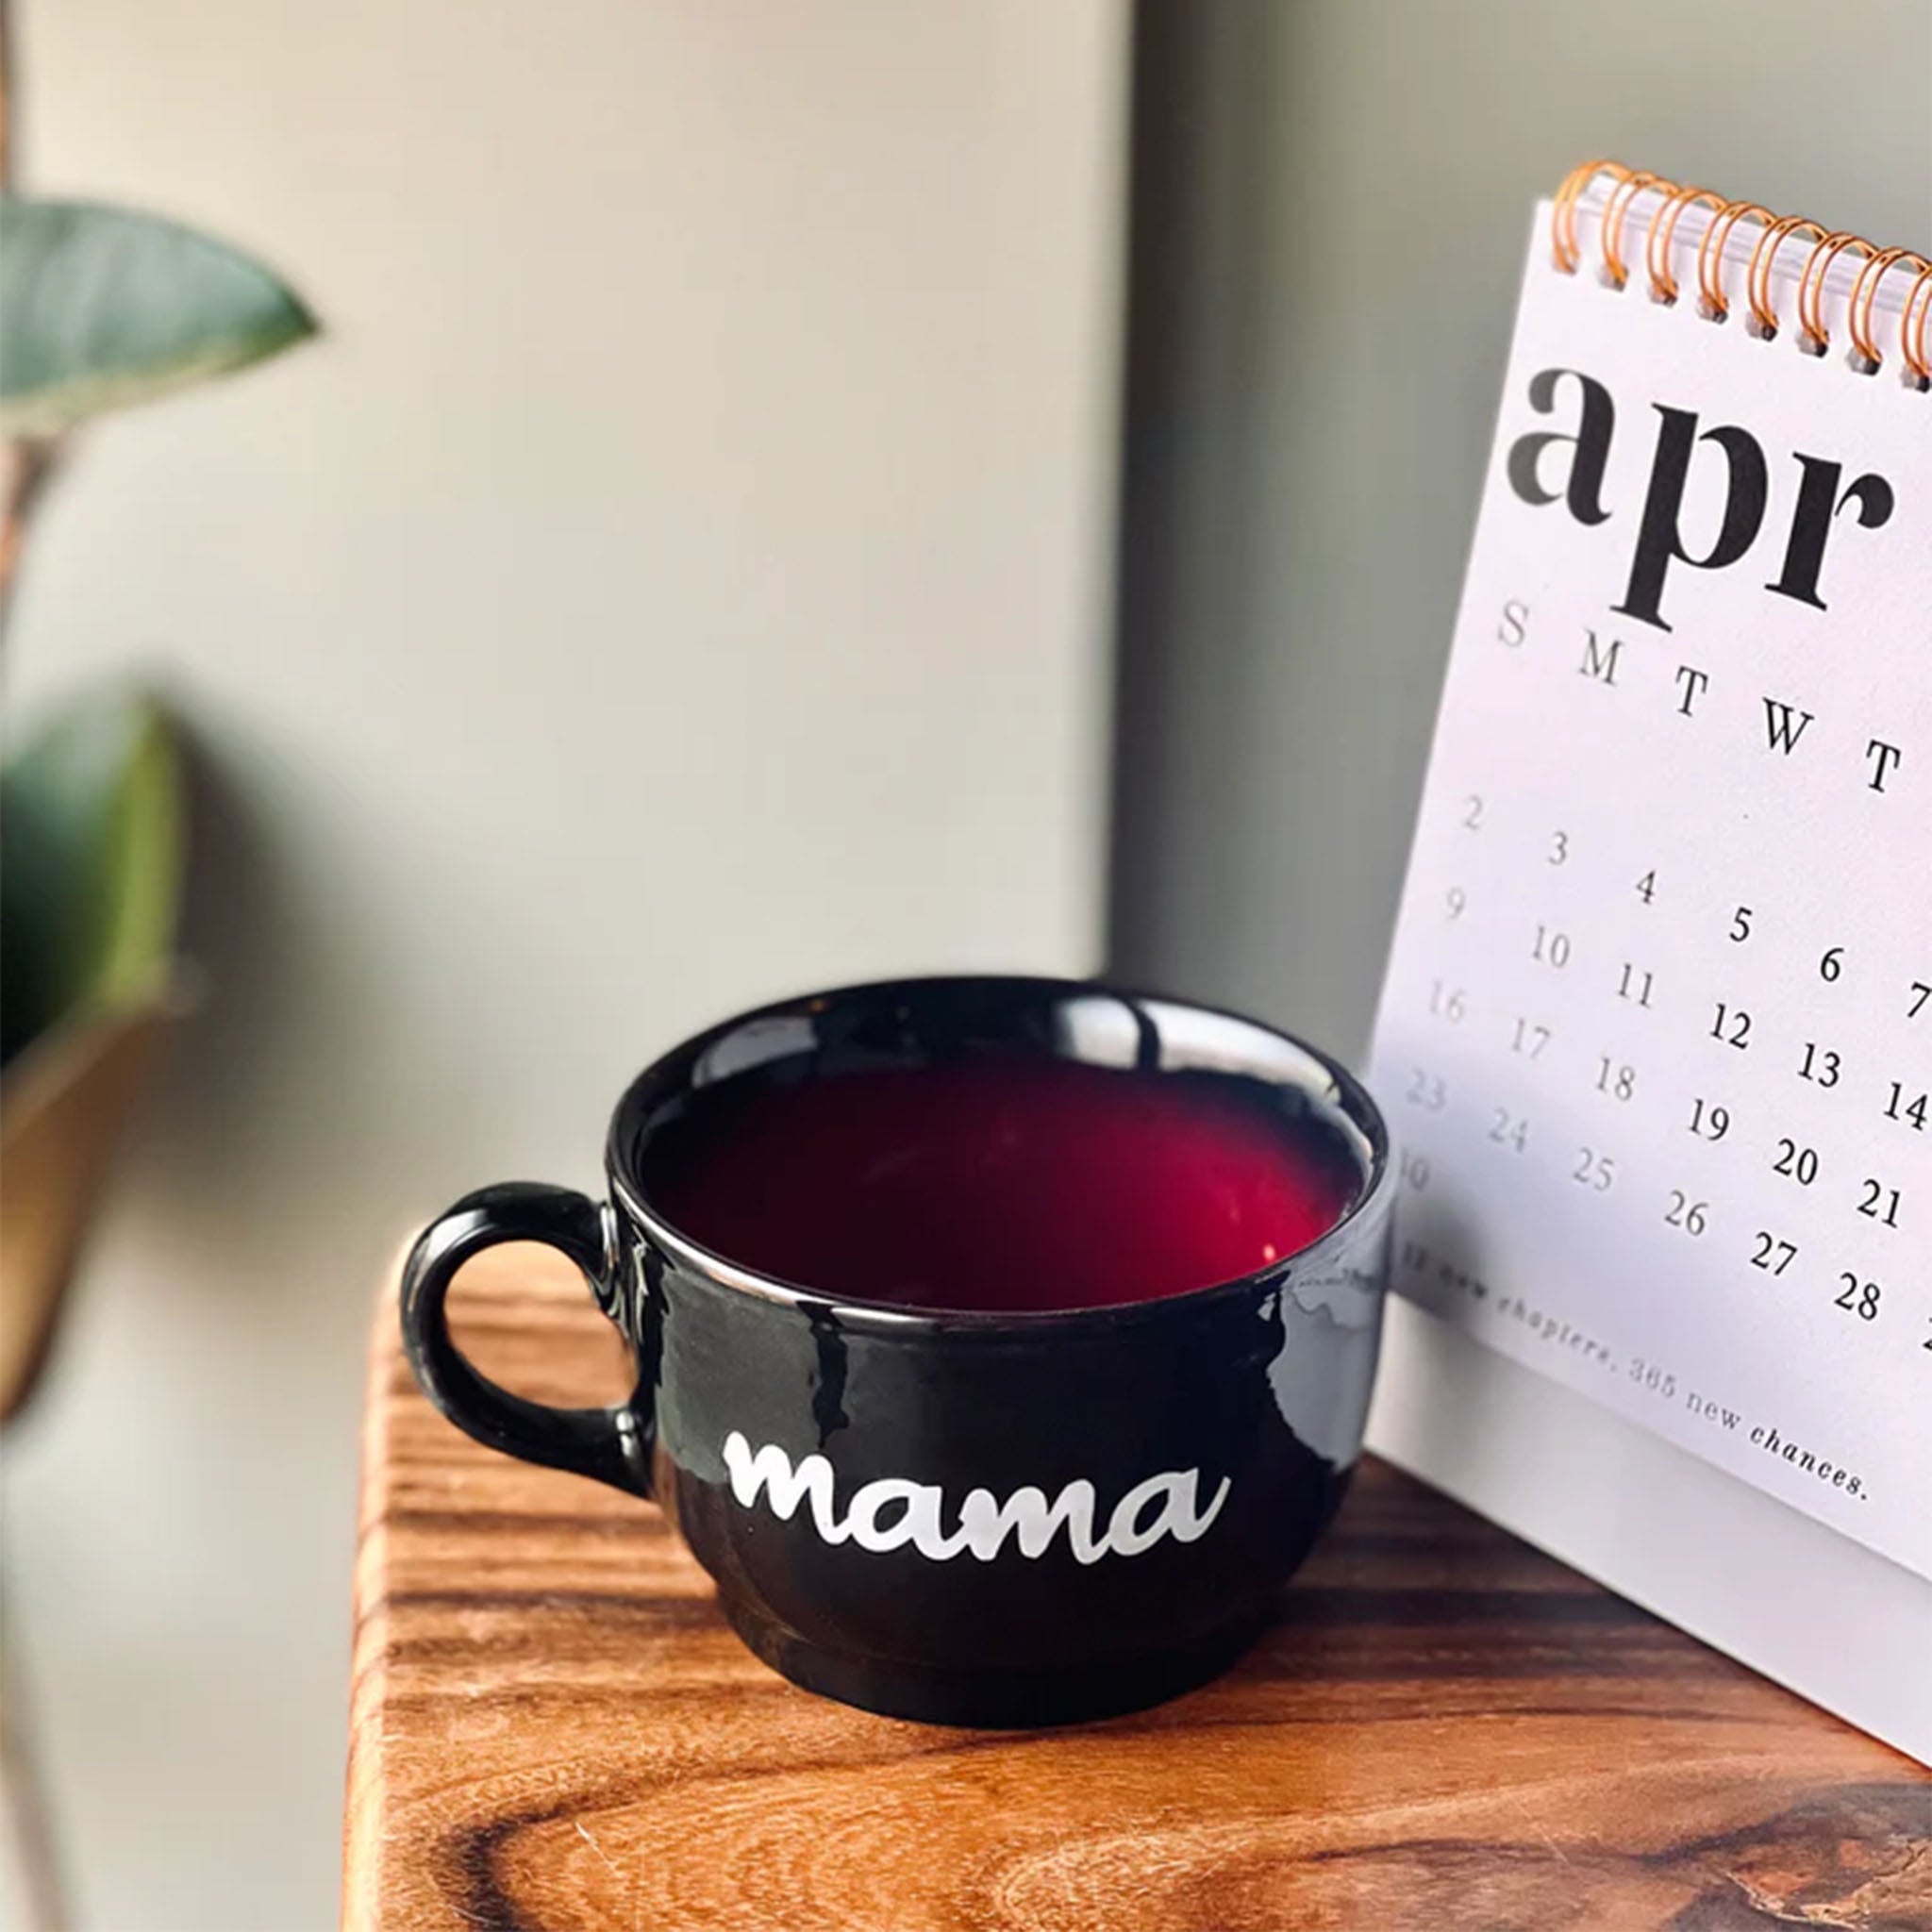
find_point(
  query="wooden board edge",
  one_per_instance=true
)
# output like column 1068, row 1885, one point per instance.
column 367, row 1769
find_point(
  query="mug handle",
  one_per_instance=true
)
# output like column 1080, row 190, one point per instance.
column 609, row 1443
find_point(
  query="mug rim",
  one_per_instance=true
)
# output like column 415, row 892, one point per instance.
column 858, row 1313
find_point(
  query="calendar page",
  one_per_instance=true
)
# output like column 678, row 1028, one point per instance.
column 1656, row 1040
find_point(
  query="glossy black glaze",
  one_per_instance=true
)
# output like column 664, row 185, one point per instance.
column 1260, row 1384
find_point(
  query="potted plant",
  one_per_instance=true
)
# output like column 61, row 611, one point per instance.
column 100, row 307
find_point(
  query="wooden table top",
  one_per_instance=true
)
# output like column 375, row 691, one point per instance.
column 552, row 1729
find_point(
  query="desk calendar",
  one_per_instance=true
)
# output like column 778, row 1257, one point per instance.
column 1656, row 1039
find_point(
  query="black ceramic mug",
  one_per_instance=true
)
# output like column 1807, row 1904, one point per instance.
column 978, row 1517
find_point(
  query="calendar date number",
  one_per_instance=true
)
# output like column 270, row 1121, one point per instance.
column 1860, row 1298
column 1594, row 1170
column 1618, row 1081
column 1732, row 1025
column 1820, row 1065
column 1879, row 1203
column 1694, row 1217
column 1796, row 1163
column 1426, row 1089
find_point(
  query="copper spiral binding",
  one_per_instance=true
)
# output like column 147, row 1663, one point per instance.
column 1710, row 283
column 1913, row 342
column 1763, row 259
column 1563, row 216
column 1618, row 207
column 1867, row 351
column 1811, row 320
column 1663, row 224
column 1858, row 319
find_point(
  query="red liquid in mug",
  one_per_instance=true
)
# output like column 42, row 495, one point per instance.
column 1001, row 1184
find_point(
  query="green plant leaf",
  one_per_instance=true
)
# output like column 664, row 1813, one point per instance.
column 101, row 307
column 93, row 836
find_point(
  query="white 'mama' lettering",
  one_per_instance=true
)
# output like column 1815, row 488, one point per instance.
column 985, row 1521
column 1173, row 1490
column 770, row 1468
column 893, row 1514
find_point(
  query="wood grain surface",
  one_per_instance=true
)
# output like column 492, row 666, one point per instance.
column 552, row 1728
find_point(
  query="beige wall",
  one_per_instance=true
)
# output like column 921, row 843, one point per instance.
column 681, row 577
column 1333, row 201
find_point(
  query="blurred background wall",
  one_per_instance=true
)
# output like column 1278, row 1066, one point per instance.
column 1331, row 204
column 680, row 575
